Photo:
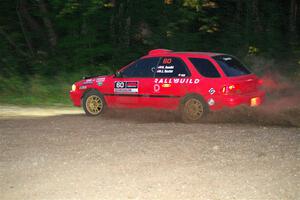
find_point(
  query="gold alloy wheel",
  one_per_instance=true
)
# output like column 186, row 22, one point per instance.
column 193, row 109
column 94, row 104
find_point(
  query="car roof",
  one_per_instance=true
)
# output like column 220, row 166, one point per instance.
column 167, row 52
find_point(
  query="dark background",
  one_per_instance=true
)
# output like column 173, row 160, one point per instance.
column 46, row 45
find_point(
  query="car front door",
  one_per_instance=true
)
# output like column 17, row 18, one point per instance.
column 135, row 83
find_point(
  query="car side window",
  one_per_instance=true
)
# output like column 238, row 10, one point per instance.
column 171, row 67
column 141, row 68
column 205, row 67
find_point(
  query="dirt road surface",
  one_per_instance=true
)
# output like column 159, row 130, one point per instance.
column 145, row 156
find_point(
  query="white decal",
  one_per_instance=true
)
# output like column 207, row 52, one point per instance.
column 100, row 80
column 126, row 90
column 126, row 87
column 211, row 91
column 176, row 80
column 211, row 102
column 228, row 58
column 165, row 69
column 156, row 88
column 83, row 87
column 120, row 84
column 88, row 81
column 169, row 67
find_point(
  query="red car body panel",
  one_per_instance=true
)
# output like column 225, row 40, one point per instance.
column 167, row 93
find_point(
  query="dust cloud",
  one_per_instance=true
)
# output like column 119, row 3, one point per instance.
column 281, row 108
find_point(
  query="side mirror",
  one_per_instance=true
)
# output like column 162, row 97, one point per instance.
column 118, row 74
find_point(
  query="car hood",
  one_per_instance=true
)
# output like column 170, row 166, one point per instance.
column 92, row 80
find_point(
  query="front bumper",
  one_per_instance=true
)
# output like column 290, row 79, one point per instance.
column 76, row 97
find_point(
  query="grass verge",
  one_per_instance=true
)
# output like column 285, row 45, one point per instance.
column 36, row 91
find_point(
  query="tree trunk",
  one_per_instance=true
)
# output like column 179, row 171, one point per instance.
column 293, row 21
column 27, row 39
column 127, row 32
column 113, row 3
column 239, row 10
column 11, row 42
column 32, row 23
column 256, row 16
column 48, row 23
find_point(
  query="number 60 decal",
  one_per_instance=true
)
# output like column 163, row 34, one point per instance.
column 119, row 84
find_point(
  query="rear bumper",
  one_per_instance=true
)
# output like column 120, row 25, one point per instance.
column 75, row 97
column 252, row 99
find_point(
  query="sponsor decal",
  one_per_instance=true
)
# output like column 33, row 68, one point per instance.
column 167, row 61
column 88, row 82
column 100, row 80
column 166, row 85
column 211, row 102
column 125, row 87
column 227, row 58
column 156, row 88
column 165, row 69
column 211, row 91
column 83, row 87
column 177, row 80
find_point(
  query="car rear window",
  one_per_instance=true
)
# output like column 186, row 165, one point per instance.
column 231, row 66
column 205, row 67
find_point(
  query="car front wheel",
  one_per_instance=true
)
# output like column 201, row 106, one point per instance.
column 93, row 103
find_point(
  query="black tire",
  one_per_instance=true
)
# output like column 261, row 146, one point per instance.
column 193, row 109
column 93, row 103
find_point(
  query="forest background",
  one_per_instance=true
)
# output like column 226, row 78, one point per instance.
column 46, row 45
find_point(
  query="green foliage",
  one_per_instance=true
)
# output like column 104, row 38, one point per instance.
column 68, row 39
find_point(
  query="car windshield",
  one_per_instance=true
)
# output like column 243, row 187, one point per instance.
column 231, row 66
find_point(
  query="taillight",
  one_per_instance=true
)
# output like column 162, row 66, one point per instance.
column 229, row 89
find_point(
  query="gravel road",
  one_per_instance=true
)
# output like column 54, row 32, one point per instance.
column 146, row 156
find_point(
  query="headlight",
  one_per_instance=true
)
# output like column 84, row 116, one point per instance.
column 73, row 87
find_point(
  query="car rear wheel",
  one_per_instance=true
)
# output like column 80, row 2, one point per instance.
column 93, row 103
column 193, row 109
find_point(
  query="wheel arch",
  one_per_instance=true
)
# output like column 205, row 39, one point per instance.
column 193, row 94
column 89, row 90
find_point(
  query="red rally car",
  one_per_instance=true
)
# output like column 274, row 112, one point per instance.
column 193, row 83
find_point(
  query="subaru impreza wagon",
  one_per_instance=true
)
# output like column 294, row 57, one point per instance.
column 192, row 83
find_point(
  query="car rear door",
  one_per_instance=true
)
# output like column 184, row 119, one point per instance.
column 172, row 79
